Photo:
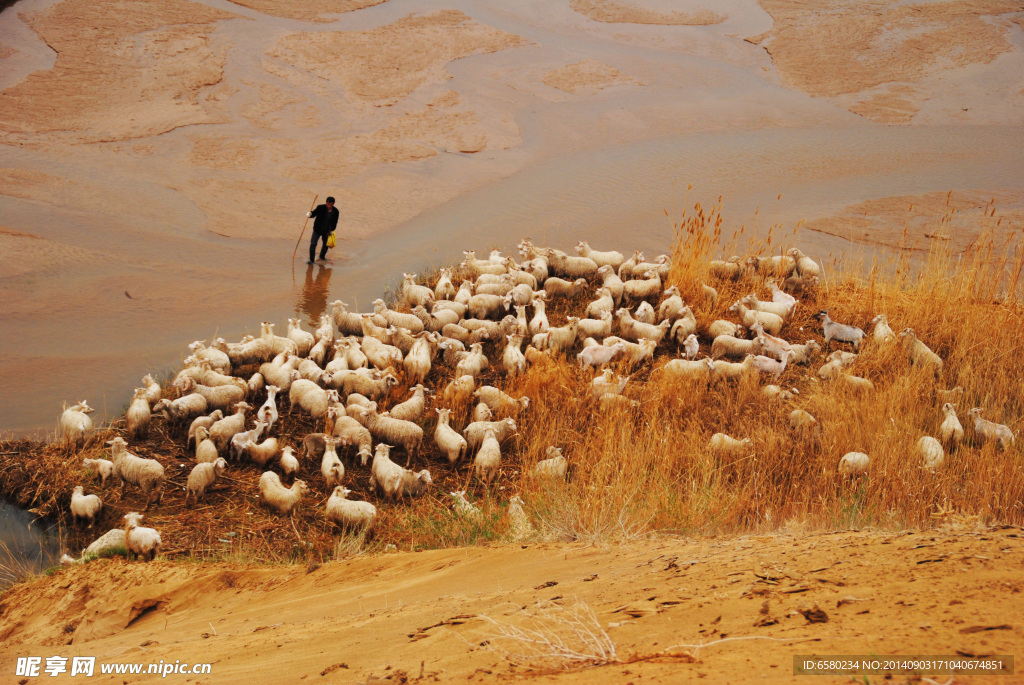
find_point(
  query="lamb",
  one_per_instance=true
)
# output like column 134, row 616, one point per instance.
column 137, row 416
column 263, row 453
column 920, row 354
column 206, row 450
column 728, row 270
column 735, row 372
column 415, row 484
column 951, row 432
column 683, row 327
column 276, row 496
column 771, row 322
column 804, row 424
column 148, row 474
column 684, row 370
column 464, row 294
column 805, row 266
column 634, row 330
column 410, row 322
column 139, row 540
column 75, row 424
column 881, row 333
column 404, row 433
column 611, row 258
column 350, row 515
column 85, row 506
column 222, row 431
column 447, row 438
column 691, row 346
column 414, row 294
column 854, row 464
column 773, row 366
column 855, row 384
column 309, row 396
column 611, row 281
column 512, row 359
column 289, row 463
column 635, row 353
column 153, row 390
column 103, row 467
column 726, row 446
column 775, row 392
column 780, row 309
column 608, row 382
column 488, row 458
column 837, row 361
column 202, row 477
column 598, row 356
column 555, row 466
column 642, row 289
column 268, row 410
column 202, row 421
column 465, row 508
column 330, row 465
column 412, row 408
column 771, row 345
column 734, row 348
column 238, row 440
column 988, row 431
column 838, row 331
column 503, row 430
column 303, row 340
column 930, row 451
column 722, row 327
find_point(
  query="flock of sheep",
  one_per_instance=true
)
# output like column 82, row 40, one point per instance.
column 473, row 318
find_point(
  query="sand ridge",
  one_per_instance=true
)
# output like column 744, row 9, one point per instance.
column 588, row 76
column 616, row 12
column 307, row 10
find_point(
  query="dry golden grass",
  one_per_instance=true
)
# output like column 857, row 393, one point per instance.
column 641, row 470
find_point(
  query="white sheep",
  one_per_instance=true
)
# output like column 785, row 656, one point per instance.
column 140, row 541
column 444, row 289
column 721, row 444
column 415, row 484
column 499, row 401
column 202, row 477
column 215, row 355
column 85, row 506
column 635, row 330
column 75, row 425
column 748, row 316
column 734, row 348
column 352, row 433
column 309, row 396
column 773, row 366
column 268, row 410
column 448, row 439
column 405, row 433
column 331, row 467
column 635, row 353
column 475, row 432
column 103, row 467
column 804, row 424
column 412, row 408
column 459, row 391
column 385, row 475
column 855, row 384
column 410, row 322
column 205, row 422
column 930, row 451
column 735, row 372
column 599, row 356
column 303, row 340
column 691, row 346
column 839, row 331
column 682, row 370
column 988, row 431
column 278, row 371
column 672, row 306
column 780, row 309
column 571, row 267
column 775, row 392
column 138, row 415
column 611, row 258
column 520, row 527
column 218, row 396
column 349, row 514
column 781, row 296
column 837, row 361
column 153, row 390
column 920, row 354
column 649, row 286
column 481, row 412
column 223, row 430
column 414, row 294
column 148, row 474
column 604, row 303
column 854, row 464
column 596, row 328
column 206, row 449
column 262, row 453
column 611, row 281
column 608, row 382
column 951, row 431
column 278, row 497
column 487, row 462
column 722, row 327
column 464, row 507
column 289, row 463
column 110, row 541
column 239, row 440
column 555, row 466
column 684, row 326
column 771, row 346
column 806, row 353
column 881, row 333
column 727, row 270
column 805, row 266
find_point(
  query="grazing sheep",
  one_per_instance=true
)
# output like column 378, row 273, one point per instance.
column 330, row 466
column 153, row 390
column 608, row 382
column 111, row 540
column 206, row 450
column 202, row 477
column 147, row 474
column 503, row 430
column 734, row 348
column 689, row 371
column 951, row 431
column 554, row 466
column 854, row 464
column 84, row 506
column 726, row 446
column 448, row 439
column 735, row 372
column 599, row 356
column 103, row 467
column 218, row 359
column 771, row 346
column 988, row 431
column 728, row 270
column 650, row 286
column 279, row 498
column 263, row 453
column 289, row 463
column 222, row 431
column 488, row 458
column 930, row 451
column 838, row 331
column 414, row 294
column 412, row 408
column 499, row 401
column 805, row 425
column 596, row 328
column 204, row 422
column 352, row 433
column 140, row 541
column 920, row 354
column 350, row 515
column 781, row 296
column 635, row 330
column 465, row 508
column 481, row 412
column 303, row 340
column 415, row 484
column 611, row 258
column 881, row 333
column 75, row 424
column 512, row 359
column 309, row 396
column 404, row 433
column 780, row 309
column 855, row 384
column 771, row 322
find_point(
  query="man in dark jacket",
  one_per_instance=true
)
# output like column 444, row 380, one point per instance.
column 325, row 221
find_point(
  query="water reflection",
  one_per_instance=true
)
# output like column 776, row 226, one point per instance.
column 24, row 549
column 313, row 297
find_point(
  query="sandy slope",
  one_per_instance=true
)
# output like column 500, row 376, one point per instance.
column 950, row 591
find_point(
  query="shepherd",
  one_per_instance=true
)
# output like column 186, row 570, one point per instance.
column 325, row 221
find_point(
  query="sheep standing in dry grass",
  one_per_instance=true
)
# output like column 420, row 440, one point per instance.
column 103, row 467
column 75, row 425
column 951, row 431
column 203, row 476
column 85, row 506
column 988, row 431
column 279, row 498
column 147, row 474
column 350, row 515
column 140, row 541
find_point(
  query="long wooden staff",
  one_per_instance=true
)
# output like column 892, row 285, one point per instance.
column 296, row 251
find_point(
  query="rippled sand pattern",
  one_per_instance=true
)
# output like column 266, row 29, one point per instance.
column 614, row 12
column 588, row 76
column 308, row 10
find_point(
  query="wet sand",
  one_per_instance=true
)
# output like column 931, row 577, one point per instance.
column 157, row 200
